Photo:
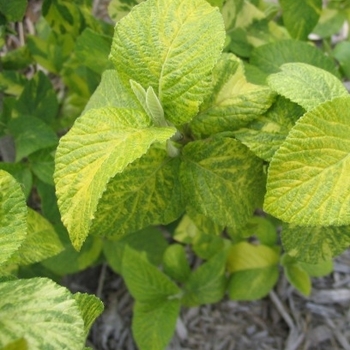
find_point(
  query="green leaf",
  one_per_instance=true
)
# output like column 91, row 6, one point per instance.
column 264, row 135
column 149, row 240
column 252, row 284
column 307, row 179
column 297, row 276
column 100, row 145
column 186, row 230
column 153, row 323
column 270, row 57
column 12, row 82
column 207, row 284
column 175, row 263
column 206, row 245
column 41, row 242
column 148, row 192
column 117, row 9
column 342, row 54
column 320, row 269
column 13, row 10
column 306, row 85
column 13, row 217
column 92, row 50
column 300, row 16
column 233, row 102
column 90, row 308
column 246, row 256
column 42, row 312
column 144, row 281
column 315, row 244
column 330, row 23
column 42, row 164
column 38, row 99
column 262, row 229
column 171, row 46
column 31, row 134
column 209, row 174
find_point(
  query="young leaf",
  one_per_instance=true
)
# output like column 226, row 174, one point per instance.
column 42, row 164
column 209, row 175
column 266, row 133
column 207, row 284
column 42, row 312
column 320, row 269
column 252, row 284
column 20, row 344
column 300, row 16
column 171, row 46
column 144, row 281
column 175, row 263
column 154, row 322
column 13, row 10
column 315, row 244
column 270, row 57
column 41, row 242
column 100, row 145
column 206, row 245
column 148, row 192
column 307, row 179
column 90, row 308
column 233, row 102
column 13, row 216
column 149, row 240
column 306, row 85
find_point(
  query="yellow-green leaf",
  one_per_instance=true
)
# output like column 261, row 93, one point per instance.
column 42, row 312
column 171, row 45
column 306, row 85
column 308, row 182
column 100, row 144
column 13, row 216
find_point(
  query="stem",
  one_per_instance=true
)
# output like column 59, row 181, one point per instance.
column 172, row 150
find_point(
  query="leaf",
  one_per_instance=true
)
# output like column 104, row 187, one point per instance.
column 112, row 93
column 92, row 50
column 117, row 9
column 296, row 276
column 306, row 85
column 13, row 10
column 253, row 284
column 38, row 99
column 13, row 217
column 330, row 23
column 233, row 102
column 148, row 192
column 264, row 135
column 315, row 244
column 149, row 240
column 321, row 269
column 41, row 242
column 153, row 323
column 22, row 175
column 175, row 263
column 270, row 57
column 90, row 308
column 300, row 16
column 206, row 245
column 254, row 270
column 42, row 312
column 307, row 180
column 20, row 344
column 31, row 134
column 144, row 281
column 341, row 53
column 42, row 164
column 246, row 256
column 100, row 145
column 207, row 284
column 210, row 172
column 171, row 46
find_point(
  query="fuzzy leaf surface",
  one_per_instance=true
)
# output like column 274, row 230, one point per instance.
column 222, row 180
column 42, row 312
column 147, row 192
column 306, row 85
column 13, row 216
column 171, row 45
column 308, row 182
column 100, row 144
